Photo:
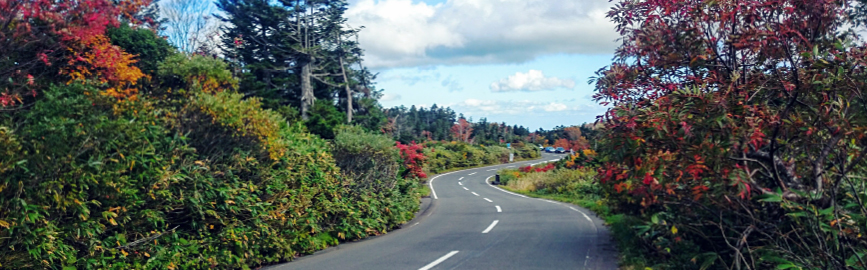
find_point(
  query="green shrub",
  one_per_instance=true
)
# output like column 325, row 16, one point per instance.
column 370, row 160
column 324, row 119
column 224, row 122
column 180, row 74
column 87, row 182
column 445, row 156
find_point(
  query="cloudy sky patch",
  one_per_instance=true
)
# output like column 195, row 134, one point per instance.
column 533, row 80
column 455, row 53
column 401, row 33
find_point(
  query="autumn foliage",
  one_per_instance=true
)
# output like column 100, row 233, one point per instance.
column 43, row 37
column 729, row 119
column 462, row 131
column 413, row 158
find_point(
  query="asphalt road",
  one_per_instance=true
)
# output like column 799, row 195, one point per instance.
column 473, row 225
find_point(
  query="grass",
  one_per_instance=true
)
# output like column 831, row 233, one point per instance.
column 424, row 191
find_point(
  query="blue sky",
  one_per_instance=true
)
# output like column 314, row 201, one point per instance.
column 522, row 62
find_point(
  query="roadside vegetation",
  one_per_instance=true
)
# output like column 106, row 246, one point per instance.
column 735, row 137
column 120, row 150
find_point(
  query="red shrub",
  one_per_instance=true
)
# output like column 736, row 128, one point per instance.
column 413, row 159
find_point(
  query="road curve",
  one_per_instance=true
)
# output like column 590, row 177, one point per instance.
column 473, row 225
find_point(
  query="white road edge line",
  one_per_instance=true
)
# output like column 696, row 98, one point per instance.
column 440, row 260
column 475, row 194
column 473, row 173
column 550, row 201
column 489, row 200
column 434, row 193
column 491, row 227
column 586, row 217
column 499, row 209
column 430, row 183
column 503, row 190
column 459, row 179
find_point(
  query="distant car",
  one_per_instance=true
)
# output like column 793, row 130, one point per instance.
column 560, row 150
column 549, row 149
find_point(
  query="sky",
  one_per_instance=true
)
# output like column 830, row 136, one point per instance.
column 524, row 62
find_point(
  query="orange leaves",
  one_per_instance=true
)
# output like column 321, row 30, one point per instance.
column 98, row 58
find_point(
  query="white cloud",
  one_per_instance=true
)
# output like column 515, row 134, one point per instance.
column 390, row 97
column 413, row 33
column 556, row 107
column 533, row 80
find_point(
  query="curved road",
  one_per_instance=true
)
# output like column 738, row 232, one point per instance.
column 473, row 225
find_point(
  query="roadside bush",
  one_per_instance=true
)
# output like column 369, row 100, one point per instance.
column 324, row 119
column 546, row 180
column 180, row 74
column 369, row 160
column 444, row 156
column 88, row 182
column 527, row 151
column 220, row 124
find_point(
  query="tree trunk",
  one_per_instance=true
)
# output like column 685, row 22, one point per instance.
column 307, row 97
column 348, row 93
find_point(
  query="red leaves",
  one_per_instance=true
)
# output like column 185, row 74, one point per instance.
column 648, row 179
column 43, row 33
column 413, row 158
column 462, row 130
column 528, row 169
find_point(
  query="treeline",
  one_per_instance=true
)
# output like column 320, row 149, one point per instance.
column 442, row 124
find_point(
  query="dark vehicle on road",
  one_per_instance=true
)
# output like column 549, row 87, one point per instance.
column 549, row 149
column 560, row 150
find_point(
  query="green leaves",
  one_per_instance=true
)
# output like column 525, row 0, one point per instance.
column 140, row 176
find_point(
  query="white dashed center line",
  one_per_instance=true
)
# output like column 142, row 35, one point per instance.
column 438, row 261
column 475, row 194
column 491, row 227
column 489, row 200
column 499, row 209
column 459, row 183
column 465, row 188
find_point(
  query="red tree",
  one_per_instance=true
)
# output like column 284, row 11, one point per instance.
column 562, row 143
column 41, row 37
column 716, row 102
column 462, row 130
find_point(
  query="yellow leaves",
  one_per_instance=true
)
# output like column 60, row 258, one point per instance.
column 112, row 221
column 673, row 230
column 4, row 224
